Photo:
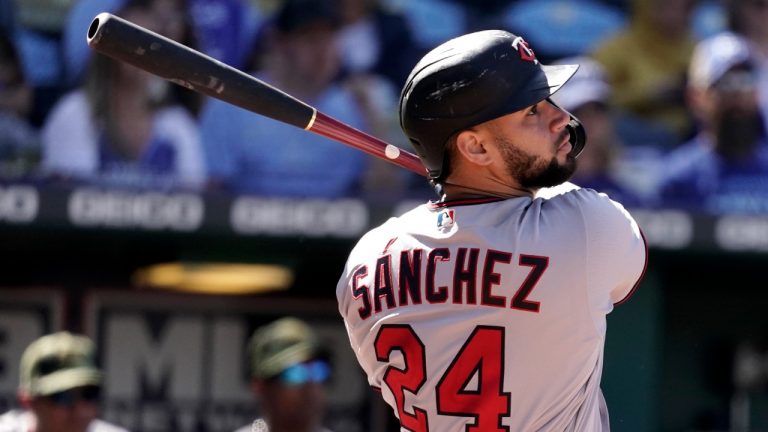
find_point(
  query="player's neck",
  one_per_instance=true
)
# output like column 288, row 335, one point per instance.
column 471, row 181
column 454, row 191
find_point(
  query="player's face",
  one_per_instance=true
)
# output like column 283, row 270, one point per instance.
column 299, row 407
column 72, row 413
column 534, row 144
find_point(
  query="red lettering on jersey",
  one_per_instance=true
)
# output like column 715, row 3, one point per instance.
column 410, row 378
column 482, row 355
column 436, row 294
column 465, row 276
column 389, row 244
column 491, row 278
column 410, row 276
column 537, row 264
column 361, row 291
column 383, row 283
column 418, row 278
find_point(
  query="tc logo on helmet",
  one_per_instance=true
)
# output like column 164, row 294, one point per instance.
column 525, row 51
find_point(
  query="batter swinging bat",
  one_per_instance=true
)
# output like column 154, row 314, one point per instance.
column 147, row 50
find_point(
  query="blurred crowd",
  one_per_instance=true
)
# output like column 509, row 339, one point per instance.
column 673, row 94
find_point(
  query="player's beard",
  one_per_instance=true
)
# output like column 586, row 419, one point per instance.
column 530, row 171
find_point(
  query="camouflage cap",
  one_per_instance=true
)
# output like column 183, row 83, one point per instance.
column 281, row 344
column 58, row 362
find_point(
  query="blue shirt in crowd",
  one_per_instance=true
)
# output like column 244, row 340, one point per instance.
column 699, row 179
column 254, row 154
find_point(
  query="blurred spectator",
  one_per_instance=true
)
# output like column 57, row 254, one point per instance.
column 47, row 16
column 173, row 20
column 484, row 14
column 376, row 100
column 38, row 25
column 118, row 130
column 724, row 169
column 377, row 40
column 74, row 45
column 7, row 17
column 377, row 52
column 646, row 65
column 289, row 370
column 587, row 96
column 432, row 21
column 59, row 389
column 266, row 7
column 36, row 33
column 223, row 29
column 748, row 18
column 562, row 28
column 708, row 19
column 248, row 153
column 19, row 141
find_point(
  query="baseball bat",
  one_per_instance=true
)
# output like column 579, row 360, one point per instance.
column 130, row 43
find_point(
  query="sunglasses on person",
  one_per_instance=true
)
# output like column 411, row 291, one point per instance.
column 68, row 398
column 316, row 371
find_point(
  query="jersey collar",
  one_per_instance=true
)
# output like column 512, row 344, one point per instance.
column 464, row 202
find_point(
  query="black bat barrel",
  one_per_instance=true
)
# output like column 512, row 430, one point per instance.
column 154, row 53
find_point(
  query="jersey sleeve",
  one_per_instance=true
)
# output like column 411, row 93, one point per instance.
column 616, row 251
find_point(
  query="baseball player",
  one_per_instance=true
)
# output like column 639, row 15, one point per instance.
column 485, row 310
column 59, row 387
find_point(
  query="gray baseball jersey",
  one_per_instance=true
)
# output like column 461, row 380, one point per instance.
column 489, row 314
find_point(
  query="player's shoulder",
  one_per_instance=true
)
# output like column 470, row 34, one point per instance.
column 588, row 202
column 394, row 226
column 569, row 193
column 555, row 191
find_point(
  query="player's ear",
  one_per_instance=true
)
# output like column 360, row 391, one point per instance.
column 470, row 144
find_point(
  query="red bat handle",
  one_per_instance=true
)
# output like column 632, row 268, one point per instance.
column 331, row 128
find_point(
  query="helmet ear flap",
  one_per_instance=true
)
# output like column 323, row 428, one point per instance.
column 578, row 135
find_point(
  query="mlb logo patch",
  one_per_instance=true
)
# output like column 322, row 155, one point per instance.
column 445, row 219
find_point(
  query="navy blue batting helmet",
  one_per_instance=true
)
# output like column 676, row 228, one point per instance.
column 472, row 79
